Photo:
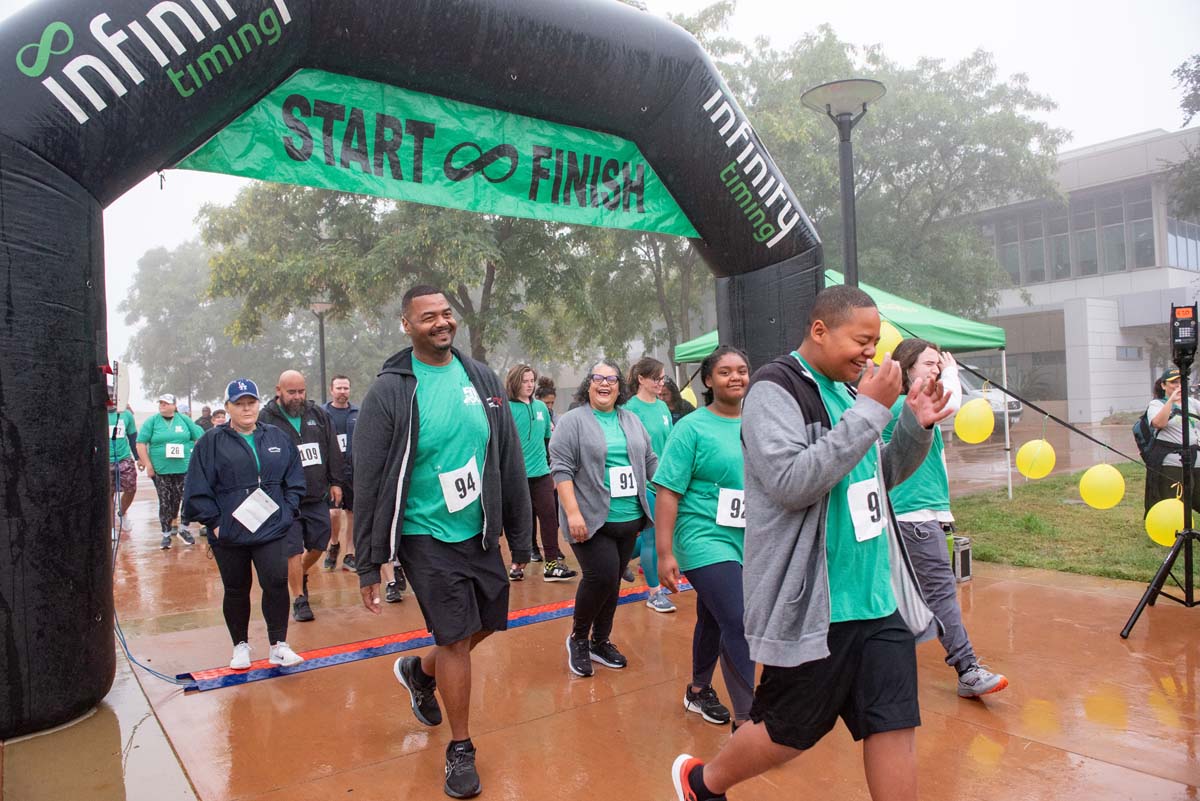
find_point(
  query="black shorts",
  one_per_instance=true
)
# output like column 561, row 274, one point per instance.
column 869, row 680
column 461, row 588
column 347, row 499
column 310, row 530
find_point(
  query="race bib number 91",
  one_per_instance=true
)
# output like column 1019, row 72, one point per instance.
column 622, row 483
column 866, row 509
column 731, row 508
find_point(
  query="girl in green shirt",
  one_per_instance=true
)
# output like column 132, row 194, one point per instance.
column 701, row 524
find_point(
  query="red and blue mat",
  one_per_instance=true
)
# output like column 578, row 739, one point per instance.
column 217, row 678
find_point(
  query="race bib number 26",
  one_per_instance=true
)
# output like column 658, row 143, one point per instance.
column 174, row 450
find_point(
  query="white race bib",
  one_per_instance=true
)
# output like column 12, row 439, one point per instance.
column 255, row 510
column 731, row 507
column 117, row 431
column 310, row 454
column 174, row 450
column 622, row 483
column 342, row 442
column 866, row 509
column 461, row 487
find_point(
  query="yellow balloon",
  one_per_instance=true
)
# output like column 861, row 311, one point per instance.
column 1102, row 486
column 1035, row 459
column 974, row 421
column 889, row 338
column 1163, row 520
column 689, row 395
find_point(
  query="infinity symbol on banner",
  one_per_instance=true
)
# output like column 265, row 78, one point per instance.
column 45, row 49
column 481, row 162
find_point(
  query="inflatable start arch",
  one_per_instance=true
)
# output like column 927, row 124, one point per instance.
column 585, row 111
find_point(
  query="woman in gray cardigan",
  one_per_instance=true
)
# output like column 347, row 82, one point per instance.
column 601, row 459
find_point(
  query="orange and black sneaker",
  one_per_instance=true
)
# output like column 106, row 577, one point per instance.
column 688, row 776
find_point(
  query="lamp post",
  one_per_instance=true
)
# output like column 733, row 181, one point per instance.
column 845, row 102
column 320, row 308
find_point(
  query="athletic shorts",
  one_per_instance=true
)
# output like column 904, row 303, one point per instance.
column 347, row 499
column 869, row 680
column 310, row 530
column 127, row 475
column 461, row 588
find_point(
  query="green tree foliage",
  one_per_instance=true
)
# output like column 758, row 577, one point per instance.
column 1185, row 178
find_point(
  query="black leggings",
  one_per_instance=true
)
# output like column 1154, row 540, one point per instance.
column 170, row 496
column 602, row 559
column 545, row 511
column 270, row 560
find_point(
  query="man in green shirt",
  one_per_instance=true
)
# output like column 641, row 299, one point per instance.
column 438, row 475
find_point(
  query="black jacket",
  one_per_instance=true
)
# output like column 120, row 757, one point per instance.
column 348, row 452
column 316, row 429
column 222, row 474
column 385, row 447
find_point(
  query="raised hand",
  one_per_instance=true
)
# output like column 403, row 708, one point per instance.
column 929, row 401
column 882, row 383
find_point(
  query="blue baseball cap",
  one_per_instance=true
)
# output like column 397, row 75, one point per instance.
column 240, row 388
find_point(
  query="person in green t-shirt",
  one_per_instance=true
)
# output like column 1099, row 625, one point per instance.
column 922, row 507
column 164, row 449
column 646, row 378
column 532, row 419
column 701, row 525
column 601, row 460
column 122, row 468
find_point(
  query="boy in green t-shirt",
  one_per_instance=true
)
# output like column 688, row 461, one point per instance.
column 833, row 610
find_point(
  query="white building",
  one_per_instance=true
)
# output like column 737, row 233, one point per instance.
column 1095, row 273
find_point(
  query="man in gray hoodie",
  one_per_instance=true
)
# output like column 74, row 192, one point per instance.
column 833, row 609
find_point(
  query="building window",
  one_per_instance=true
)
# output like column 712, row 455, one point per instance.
column 1008, row 249
column 1083, row 227
column 1034, row 248
column 1057, row 226
column 1143, row 243
column 1128, row 353
column 1114, row 248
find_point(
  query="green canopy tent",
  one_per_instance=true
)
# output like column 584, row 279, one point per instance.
column 951, row 333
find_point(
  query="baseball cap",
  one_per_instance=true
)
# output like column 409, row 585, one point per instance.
column 166, row 397
column 240, row 388
column 1170, row 374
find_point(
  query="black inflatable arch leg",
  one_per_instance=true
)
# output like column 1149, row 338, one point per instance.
column 57, row 654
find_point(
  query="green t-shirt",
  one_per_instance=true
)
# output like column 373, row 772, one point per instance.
column 250, row 441
column 929, row 487
column 170, row 442
column 295, row 421
column 533, row 429
column 656, row 417
column 704, row 456
column 624, row 509
column 452, row 436
column 120, row 426
column 860, row 579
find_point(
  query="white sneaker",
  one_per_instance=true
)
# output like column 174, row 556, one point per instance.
column 241, row 657
column 126, row 524
column 282, row 654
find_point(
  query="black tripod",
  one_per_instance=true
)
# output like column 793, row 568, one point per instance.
column 1184, row 538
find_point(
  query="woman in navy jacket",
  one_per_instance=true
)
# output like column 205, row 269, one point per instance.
column 245, row 483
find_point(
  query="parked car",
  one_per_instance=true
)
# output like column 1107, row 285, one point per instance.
column 996, row 398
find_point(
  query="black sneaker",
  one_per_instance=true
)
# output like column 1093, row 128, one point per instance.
column 348, row 562
column 579, row 659
column 628, row 575
column 607, row 654
column 706, row 704
column 462, row 780
column 186, row 536
column 166, row 541
column 536, row 556
column 331, row 556
column 398, row 575
column 301, row 611
column 516, row 574
column 420, row 690
column 394, row 594
column 557, row 571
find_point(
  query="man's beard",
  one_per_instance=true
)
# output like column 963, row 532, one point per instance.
column 293, row 408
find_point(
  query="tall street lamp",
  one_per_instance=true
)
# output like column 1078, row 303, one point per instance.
column 845, row 102
column 320, row 308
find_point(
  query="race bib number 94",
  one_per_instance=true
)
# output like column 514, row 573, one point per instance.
column 866, row 509
column 731, row 508
column 622, row 483
column 460, row 487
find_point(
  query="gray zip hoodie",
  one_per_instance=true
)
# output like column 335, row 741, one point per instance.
column 793, row 460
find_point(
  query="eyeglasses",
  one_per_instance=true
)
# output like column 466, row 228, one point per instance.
column 604, row 379
column 658, row 380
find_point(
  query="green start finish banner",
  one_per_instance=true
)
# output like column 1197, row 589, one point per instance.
column 352, row 135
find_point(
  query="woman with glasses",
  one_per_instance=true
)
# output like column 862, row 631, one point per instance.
column 601, row 460
column 646, row 377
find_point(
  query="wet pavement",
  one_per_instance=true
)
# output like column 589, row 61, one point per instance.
column 1087, row 716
